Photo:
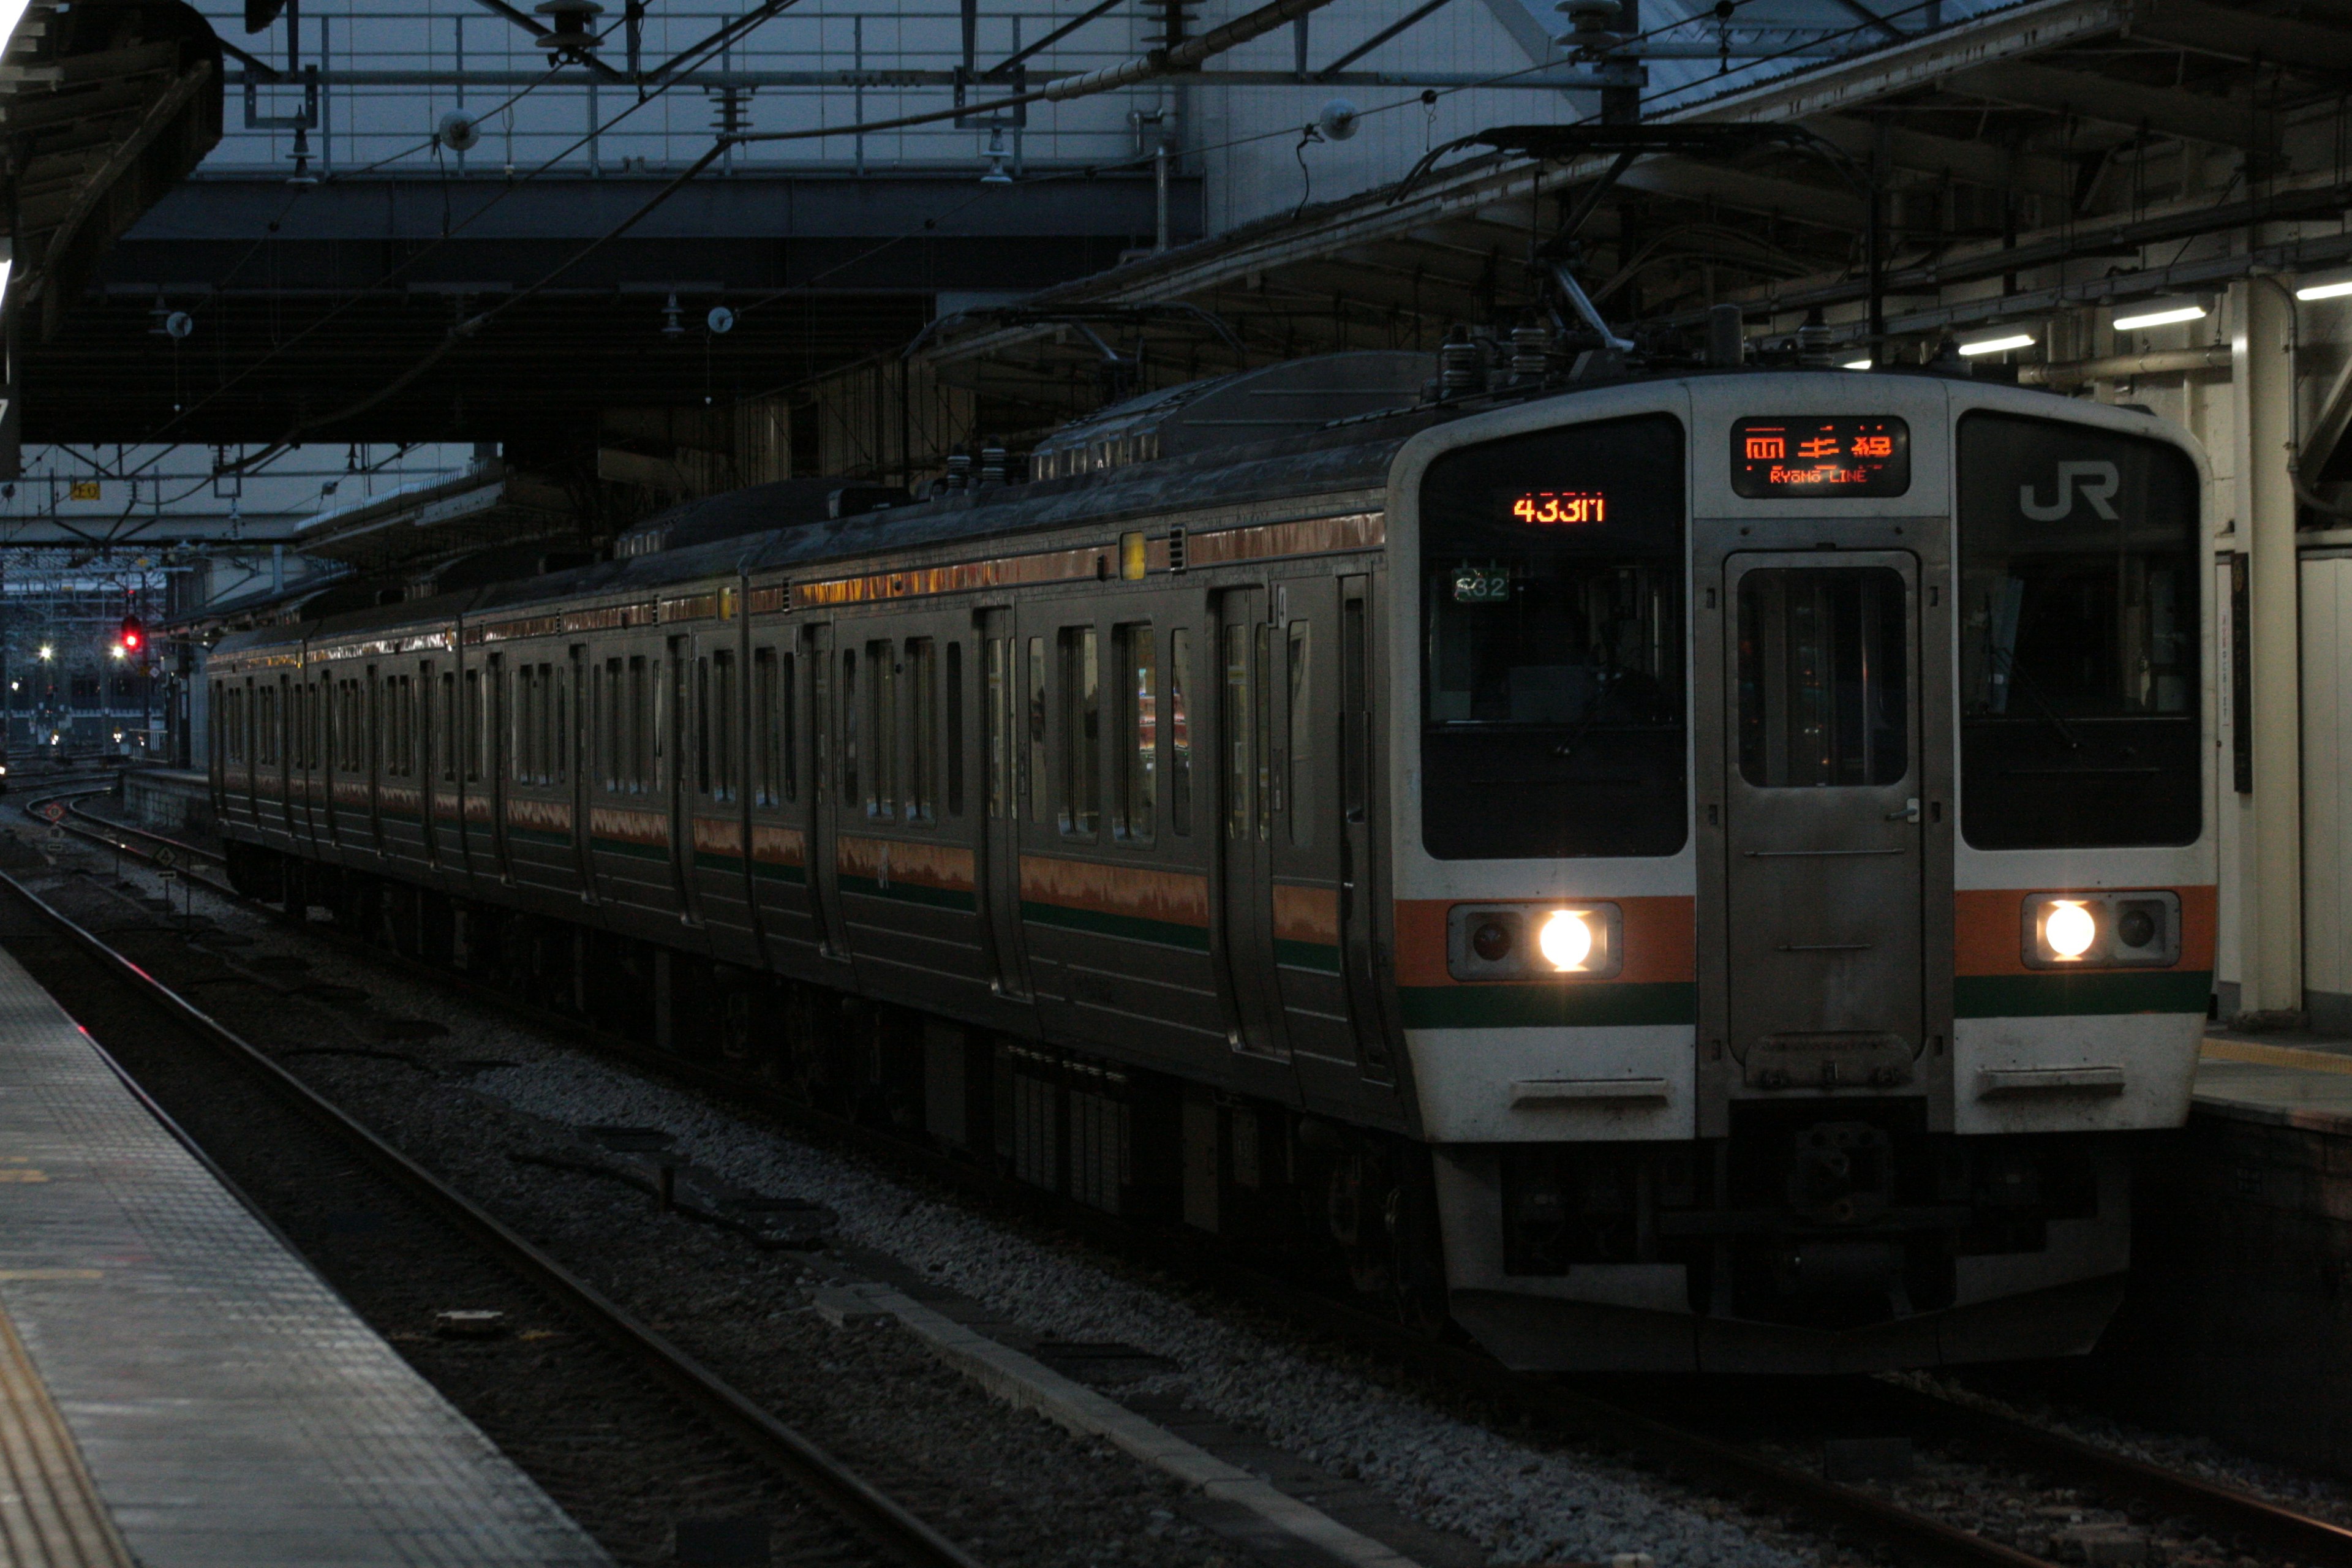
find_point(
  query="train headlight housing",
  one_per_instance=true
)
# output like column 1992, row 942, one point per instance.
column 1539, row 941
column 2102, row 931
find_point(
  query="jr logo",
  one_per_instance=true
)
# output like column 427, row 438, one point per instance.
column 2097, row 482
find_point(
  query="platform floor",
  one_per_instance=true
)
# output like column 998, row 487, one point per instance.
column 177, row 1390
column 2300, row 1080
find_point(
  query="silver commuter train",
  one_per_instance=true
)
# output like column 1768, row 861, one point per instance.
column 1684, row 873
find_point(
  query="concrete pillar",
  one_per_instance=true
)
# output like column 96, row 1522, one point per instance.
column 2271, row 852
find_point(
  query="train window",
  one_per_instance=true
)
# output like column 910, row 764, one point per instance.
column 449, row 726
column 726, row 766
column 788, row 735
column 953, row 713
column 849, row 791
column 1134, row 803
column 1298, row 764
column 2078, row 629
column 1355, row 705
column 1081, row 791
column 1032, row 777
column 767, row 729
column 1555, row 715
column 638, row 763
column 1180, row 732
column 999, row 723
column 702, row 726
column 922, row 730
column 560, row 763
column 1241, row 733
column 473, row 726
column 1825, row 678
column 881, row 730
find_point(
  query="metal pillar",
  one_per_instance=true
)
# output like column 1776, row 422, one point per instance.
column 2270, row 846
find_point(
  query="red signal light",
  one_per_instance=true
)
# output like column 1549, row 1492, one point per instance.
column 134, row 635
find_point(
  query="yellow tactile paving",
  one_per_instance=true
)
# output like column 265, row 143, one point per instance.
column 51, row 1515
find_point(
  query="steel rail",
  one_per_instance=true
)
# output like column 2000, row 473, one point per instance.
column 2255, row 1520
column 1724, row 1465
column 873, row 1513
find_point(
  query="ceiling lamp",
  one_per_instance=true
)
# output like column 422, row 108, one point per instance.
column 2335, row 289
column 1998, row 345
column 2160, row 313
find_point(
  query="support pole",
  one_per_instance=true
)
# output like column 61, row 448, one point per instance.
column 2270, row 845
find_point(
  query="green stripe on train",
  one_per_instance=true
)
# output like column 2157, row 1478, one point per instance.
column 1319, row 956
column 1517, row 1006
column 1132, row 928
column 2081, row 992
column 957, row 898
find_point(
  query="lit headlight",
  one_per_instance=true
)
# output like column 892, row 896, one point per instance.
column 1534, row 941
column 2103, row 929
column 1566, row 940
column 2068, row 930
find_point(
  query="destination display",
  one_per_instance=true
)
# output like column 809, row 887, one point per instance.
column 1790, row 455
column 1558, row 508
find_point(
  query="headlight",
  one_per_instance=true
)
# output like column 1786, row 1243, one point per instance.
column 2102, row 931
column 1534, row 941
column 1566, row 940
column 2069, row 929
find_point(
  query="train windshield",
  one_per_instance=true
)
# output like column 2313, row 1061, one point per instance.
column 2079, row 680
column 1554, row 709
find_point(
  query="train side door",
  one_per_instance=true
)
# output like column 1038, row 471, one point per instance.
column 1002, row 753
column 288, row 740
column 1824, row 850
column 1244, row 933
column 372, row 754
column 1359, row 884
column 826, row 698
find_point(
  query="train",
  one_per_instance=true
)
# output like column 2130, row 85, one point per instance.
column 1697, row 869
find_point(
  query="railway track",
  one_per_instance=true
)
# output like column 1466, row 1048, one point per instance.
column 1688, row 1445
column 865, row 1510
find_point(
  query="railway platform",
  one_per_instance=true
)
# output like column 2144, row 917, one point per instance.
column 2238, row 1319
column 177, row 1388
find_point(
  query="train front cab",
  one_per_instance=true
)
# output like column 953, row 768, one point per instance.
column 1803, row 864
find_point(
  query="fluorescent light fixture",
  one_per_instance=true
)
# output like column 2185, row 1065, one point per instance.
column 1857, row 364
column 2162, row 316
column 2336, row 290
column 1998, row 345
column 11, row 13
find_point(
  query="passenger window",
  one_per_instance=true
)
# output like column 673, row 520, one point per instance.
column 850, row 795
column 641, row 724
column 1136, row 803
column 788, row 733
column 1180, row 732
column 702, row 726
column 954, row 716
column 473, row 726
column 999, row 723
column 922, row 730
column 1355, row 710
column 1081, row 732
column 448, row 726
column 1032, row 777
column 766, row 732
column 881, row 730
column 725, row 765
column 1299, row 764
column 1240, row 730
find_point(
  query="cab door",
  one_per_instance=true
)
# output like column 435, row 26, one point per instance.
column 1824, row 847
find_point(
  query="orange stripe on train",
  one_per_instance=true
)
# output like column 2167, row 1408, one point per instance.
column 1179, row 898
column 897, row 860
